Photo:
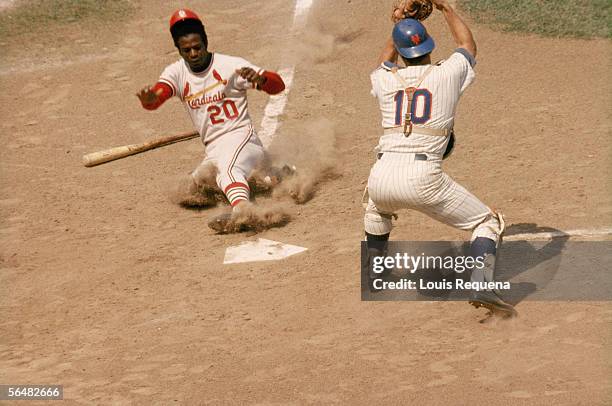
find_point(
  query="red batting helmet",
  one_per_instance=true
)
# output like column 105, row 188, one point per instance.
column 183, row 14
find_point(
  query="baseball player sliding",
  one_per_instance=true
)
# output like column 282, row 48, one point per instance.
column 418, row 104
column 212, row 87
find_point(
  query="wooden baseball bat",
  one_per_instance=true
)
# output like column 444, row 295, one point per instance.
column 107, row 155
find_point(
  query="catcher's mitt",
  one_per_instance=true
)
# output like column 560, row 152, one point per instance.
column 417, row 9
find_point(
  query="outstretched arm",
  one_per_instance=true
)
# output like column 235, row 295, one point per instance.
column 389, row 53
column 153, row 97
column 400, row 9
column 461, row 32
column 269, row 82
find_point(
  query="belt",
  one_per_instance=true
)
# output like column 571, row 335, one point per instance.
column 441, row 132
column 417, row 157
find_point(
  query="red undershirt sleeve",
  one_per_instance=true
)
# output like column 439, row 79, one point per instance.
column 274, row 83
column 165, row 95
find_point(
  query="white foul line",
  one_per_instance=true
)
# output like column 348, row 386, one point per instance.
column 276, row 105
column 556, row 234
column 275, row 108
column 300, row 13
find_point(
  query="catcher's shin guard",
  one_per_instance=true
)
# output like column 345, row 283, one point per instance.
column 377, row 247
column 485, row 248
column 490, row 298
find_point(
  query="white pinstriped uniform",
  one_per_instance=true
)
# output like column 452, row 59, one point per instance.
column 216, row 102
column 400, row 179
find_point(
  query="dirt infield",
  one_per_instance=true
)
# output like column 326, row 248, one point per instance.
column 113, row 291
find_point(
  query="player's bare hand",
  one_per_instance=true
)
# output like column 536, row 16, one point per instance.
column 251, row 75
column 148, row 96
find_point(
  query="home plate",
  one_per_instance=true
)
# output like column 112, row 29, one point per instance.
column 260, row 250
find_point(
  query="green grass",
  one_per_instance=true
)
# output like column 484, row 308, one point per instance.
column 553, row 18
column 38, row 15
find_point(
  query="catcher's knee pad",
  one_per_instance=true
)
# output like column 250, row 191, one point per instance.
column 377, row 223
column 492, row 227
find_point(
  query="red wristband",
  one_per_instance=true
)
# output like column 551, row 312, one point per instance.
column 165, row 95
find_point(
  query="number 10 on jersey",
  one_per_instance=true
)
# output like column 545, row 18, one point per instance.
column 420, row 109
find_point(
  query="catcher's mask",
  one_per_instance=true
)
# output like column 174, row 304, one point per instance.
column 411, row 39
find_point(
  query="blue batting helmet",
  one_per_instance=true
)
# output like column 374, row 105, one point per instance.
column 411, row 39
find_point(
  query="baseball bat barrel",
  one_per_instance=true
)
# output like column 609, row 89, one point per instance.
column 111, row 154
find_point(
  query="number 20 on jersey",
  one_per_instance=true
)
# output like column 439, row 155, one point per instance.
column 227, row 111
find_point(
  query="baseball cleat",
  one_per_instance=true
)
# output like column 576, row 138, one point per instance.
column 492, row 302
column 219, row 223
column 249, row 218
column 227, row 223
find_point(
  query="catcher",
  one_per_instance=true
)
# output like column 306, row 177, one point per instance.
column 213, row 87
column 418, row 104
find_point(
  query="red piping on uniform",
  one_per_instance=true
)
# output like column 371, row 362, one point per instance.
column 236, row 153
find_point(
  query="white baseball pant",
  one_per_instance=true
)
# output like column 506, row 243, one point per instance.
column 403, row 181
column 235, row 154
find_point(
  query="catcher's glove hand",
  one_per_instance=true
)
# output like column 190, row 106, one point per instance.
column 417, row 9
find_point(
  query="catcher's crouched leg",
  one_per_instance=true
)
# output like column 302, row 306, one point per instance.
column 492, row 227
column 376, row 247
column 486, row 239
column 377, row 229
column 375, row 222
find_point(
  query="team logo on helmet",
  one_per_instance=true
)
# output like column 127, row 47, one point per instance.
column 411, row 40
column 182, row 13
